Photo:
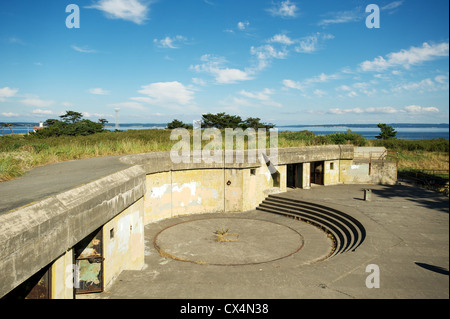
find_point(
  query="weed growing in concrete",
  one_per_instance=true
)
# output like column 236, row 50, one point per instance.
column 222, row 235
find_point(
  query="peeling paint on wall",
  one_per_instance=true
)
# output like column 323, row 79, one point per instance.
column 159, row 192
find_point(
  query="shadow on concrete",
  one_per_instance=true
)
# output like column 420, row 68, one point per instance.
column 420, row 196
column 437, row 269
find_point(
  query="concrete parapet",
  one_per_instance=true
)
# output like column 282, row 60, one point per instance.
column 315, row 153
column 161, row 162
column 376, row 153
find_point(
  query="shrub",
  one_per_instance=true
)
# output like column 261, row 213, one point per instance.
column 434, row 145
column 348, row 137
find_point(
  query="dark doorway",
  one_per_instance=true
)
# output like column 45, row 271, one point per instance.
column 36, row 287
column 317, row 172
column 294, row 173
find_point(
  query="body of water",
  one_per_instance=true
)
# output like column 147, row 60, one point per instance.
column 407, row 133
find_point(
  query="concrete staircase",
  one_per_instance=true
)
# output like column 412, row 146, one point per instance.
column 346, row 232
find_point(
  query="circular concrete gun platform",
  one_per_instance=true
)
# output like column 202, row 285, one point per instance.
column 228, row 241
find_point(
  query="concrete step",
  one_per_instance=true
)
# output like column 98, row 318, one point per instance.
column 346, row 223
column 347, row 232
column 338, row 237
column 352, row 222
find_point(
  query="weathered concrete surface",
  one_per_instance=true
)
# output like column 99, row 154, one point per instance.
column 315, row 153
column 229, row 241
column 45, row 181
column 407, row 237
column 34, row 235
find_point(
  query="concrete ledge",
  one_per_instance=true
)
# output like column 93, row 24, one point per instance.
column 315, row 153
column 159, row 162
column 34, row 235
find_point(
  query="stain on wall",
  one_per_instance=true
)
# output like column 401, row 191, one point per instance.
column 123, row 239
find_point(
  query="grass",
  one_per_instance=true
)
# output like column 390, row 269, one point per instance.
column 222, row 235
column 20, row 153
column 427, row 156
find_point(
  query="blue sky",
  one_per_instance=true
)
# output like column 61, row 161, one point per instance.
column 286, row 62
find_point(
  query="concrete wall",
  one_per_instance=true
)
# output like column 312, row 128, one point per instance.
column 198, row 191
column 125, row 250
column 364, row 171
column 35, row 236
column 332, row 172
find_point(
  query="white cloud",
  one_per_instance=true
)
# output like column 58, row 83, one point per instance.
column 392, row 5
column 382, row 109
column 348, row 90
column 342, row 17
column 293, row 85
column 171, row 43
column 284, row 9
column 42, row 112
column 443, row 79
column 416, row 109
column 9, row 114
column 281, row 38
column 131, row 10
column 167, row 93
column 243, row 25
column 98, row 91
column 321, row 78
column 411, row 109
column 223, row 75
column 343, row 88
column 364, row 87
column 266, row 53
column 407, row 58
column 345, row 111
column 84, row 49
column 264, row 97
column 37, row 102
column 226, row 76
column 198, row 81
column 234, row 104
column 7, row 92
column 426, row 85
column 312, row 43
column 319, row 93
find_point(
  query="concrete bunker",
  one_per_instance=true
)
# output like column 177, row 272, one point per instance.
column 39, row 242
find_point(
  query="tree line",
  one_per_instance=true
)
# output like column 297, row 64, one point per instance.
column 73, row 124
column 222, row 121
